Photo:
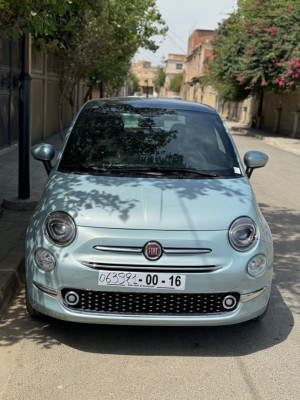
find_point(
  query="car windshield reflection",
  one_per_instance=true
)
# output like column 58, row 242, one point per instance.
column 109, row 138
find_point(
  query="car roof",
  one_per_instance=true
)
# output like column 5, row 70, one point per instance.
column 144, row 102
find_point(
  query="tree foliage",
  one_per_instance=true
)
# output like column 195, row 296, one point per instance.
column 176, row 82
column 45, row 20
column 94, row 39
column 104, row 40
column 257, row 48
column 159, row 80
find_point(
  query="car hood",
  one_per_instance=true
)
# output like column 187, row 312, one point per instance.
column 149, row 203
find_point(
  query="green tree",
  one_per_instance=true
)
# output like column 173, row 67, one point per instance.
column 45, row 20
column 176, row 83
column 94, row 39
column 256, row 49
column 133, row 83
column 159, row 80
column 103, row 42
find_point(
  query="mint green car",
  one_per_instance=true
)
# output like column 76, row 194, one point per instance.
column 148, row 218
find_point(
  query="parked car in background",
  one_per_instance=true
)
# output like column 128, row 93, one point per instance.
column 148, row 218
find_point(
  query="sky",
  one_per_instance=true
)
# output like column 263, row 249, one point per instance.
column 183, row 17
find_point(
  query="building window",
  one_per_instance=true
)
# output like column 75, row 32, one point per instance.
column 178, row 66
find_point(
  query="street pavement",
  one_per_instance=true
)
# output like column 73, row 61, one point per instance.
column 13, row 222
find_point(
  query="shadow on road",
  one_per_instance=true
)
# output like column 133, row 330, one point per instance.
column 235, row 340
column 285, row 227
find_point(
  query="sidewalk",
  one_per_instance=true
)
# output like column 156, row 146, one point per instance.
column 291, row 145
column 13, row 224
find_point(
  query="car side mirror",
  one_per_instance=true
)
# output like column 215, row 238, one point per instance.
column 254, row 159
column 44, row 152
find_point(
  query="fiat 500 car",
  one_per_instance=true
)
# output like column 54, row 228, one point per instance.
column 148, row 218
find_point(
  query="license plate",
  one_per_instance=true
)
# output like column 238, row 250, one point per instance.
column 141, row 280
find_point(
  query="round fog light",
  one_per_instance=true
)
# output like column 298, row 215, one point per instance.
column 44, row 259
column 229, row 302
column 257, row 265
column 72, row 298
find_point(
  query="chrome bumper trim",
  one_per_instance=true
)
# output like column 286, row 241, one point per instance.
column 139, row 250
column 148, row 268
column 46, row 289
column 253, row 295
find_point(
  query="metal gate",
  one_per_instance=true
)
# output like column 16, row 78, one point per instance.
column 10, row 69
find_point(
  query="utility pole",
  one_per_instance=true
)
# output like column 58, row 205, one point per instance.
column 24, row 122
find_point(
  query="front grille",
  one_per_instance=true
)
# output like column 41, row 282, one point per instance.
column 149, row 303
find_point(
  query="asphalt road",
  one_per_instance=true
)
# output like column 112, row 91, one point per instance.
column 54, row 359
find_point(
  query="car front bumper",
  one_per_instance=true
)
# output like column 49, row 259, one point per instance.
column 50, row 302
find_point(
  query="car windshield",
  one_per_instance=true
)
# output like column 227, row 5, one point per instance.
column 119, row 138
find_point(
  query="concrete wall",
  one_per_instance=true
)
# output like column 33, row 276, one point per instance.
column 281, row 114
column 45, row 96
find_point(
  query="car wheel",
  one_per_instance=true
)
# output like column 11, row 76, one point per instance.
column 261, row 316
column 31, row 311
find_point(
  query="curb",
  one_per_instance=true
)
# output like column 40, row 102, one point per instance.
column 19, row 204
column 11, row 281
column 287, row 144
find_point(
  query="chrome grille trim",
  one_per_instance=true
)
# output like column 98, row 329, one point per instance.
column 186, row 251
column 119, row 249
column 139, row 250
column 157, row 268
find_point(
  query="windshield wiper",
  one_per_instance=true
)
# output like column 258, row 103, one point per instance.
column 161, row 171
column 184, row 171
column 155, row 171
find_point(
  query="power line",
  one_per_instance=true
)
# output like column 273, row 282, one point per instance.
column 178, row 37
column 176, row 44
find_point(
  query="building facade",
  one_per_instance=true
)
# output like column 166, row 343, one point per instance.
column 146, row 75
column 174, row 66
column 199, row 50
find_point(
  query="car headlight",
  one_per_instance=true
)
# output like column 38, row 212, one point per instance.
column 60, row 228
column 243, row 234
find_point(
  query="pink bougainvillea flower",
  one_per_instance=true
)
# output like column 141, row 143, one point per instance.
column 264, row 83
